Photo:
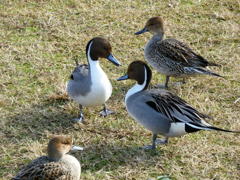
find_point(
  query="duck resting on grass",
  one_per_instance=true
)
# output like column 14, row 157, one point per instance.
column 89, row 85
column 56, row 165
column 170, row 56
column 160, row 111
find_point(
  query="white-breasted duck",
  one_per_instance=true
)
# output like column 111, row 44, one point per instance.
column 89, row 84
column 170, row 56
column 160, row 111
column 56, row 165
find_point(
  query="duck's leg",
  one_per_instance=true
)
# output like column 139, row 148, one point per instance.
column 155, row 142
column 165, row 85
column 183, row 81
column 166, row 81
column 162, row 141
column 80, row 119
column 153, row 146
column 105, row 112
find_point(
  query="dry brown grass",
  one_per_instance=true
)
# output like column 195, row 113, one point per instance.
column 40, row 39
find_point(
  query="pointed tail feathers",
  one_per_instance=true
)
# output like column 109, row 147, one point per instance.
column 224, row 130
column 202, row 62
column 198, row 126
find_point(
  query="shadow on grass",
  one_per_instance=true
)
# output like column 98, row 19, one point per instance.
column 110, row 157
column 38, row 119
column 50, row 117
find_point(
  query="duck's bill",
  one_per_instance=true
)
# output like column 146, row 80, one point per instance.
column 141, row 31
column 122, row 78
column 76, row 148
column 113, row 60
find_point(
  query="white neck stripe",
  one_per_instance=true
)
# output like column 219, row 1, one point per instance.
column 88, row 53
column 145, row 78
column 137, row 87
column 90, row 60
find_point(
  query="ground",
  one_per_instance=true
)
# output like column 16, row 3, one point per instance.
column 40, row 40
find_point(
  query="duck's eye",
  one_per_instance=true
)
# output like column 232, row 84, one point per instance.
column 105, row 48
column 71, row 77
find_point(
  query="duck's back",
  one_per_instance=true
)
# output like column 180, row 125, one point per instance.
column 42, row 168
column 170, row 56
column 158, row 59
column 182, row 53
column 22, row 173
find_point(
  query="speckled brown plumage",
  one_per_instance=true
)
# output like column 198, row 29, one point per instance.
column 57, row 165
column 46, row 171
column 170, row 56
column 181, row 53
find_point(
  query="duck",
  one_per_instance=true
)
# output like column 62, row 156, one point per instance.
column 89, row 85
column 159, row 110
column 56, row 165
column 171, row 57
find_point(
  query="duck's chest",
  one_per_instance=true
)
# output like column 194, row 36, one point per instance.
column 158, row 61
column 100, row 90
column 148, row 50
column 151, row 54
column 101, row 86
column 72, row 165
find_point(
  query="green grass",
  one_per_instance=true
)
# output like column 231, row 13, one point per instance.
column 41, row 39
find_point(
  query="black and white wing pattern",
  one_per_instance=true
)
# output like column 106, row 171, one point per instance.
column 178, row 110
column 175, row 108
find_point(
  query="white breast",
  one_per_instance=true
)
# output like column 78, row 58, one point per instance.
column 101, row 88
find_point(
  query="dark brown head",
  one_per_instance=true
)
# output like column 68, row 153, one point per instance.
column 100, row 48
column 154, row 25
column 58, row 146
column 138, row 71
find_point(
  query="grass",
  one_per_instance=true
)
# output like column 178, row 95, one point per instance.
column 40, row 40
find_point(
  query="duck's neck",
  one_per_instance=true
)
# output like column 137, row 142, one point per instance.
column 157, row 36
column 54, row 156
column 94, row 66
column 138, row 87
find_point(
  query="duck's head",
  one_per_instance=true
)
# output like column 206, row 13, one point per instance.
column 59, row 146
column 100, row 48
column 138, row 71
column 154, row 25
